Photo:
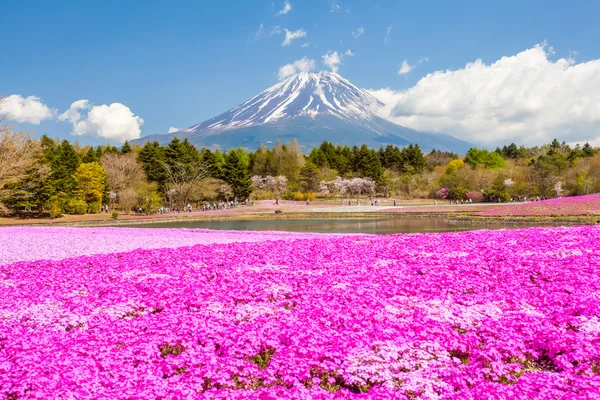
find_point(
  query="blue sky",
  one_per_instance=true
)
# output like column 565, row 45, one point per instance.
column 181, row 62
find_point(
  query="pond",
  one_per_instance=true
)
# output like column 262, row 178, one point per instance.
column 372, row 226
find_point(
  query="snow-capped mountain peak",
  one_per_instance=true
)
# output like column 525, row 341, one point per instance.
column 310, row 107
column 305, row 94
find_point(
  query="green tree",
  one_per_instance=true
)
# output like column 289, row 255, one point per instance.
column 90, row 179
column 126, row 148
column 310, row 177
column 489, row 159
column 151, row 157
column 237, row 175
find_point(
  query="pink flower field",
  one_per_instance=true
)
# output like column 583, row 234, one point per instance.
column 580, row 205
column 503, row 314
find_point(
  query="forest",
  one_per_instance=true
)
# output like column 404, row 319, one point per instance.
column 53, row 177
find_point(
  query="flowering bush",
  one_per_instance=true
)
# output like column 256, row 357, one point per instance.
column 470, row 315
column 581, row 205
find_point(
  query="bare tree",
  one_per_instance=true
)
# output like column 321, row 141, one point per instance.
column 17, row 153
column 128, row 198
column 225, row 192
column 122, row 171
column 181, row 178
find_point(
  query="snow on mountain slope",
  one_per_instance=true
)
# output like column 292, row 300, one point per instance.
column 305, row 94
column 310, row 107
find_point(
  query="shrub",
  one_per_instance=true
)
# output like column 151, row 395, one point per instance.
column 476, row 197
column 115, row 215
column 298, row 196
column 493, row 196
column 76, row 207
column 310, row 196
column 54, row 207
column 94, row 207
column 457, row 193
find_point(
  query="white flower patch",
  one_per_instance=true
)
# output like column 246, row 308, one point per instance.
column 48, row 315
column 7, row 283
column 154, row 276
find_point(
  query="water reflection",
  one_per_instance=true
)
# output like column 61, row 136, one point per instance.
column 374, row 226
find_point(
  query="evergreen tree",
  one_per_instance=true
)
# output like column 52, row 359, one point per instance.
column 212, row 163
column 371, row 166
column 237, row 176
column 90, row 156
column 588, row 150
column 126, row 148
column 64, row 164
column 310, row 176
column 151, row 157
column 260, row 162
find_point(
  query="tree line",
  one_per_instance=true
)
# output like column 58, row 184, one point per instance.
column 53, row 177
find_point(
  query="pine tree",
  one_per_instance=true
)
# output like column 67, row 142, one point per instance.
column 151, row 157
column 126, row 148
column 310, row 176
column 260, row 162
column 212, row 163
column 237, row 176
column 64, row 164
column 90, row 156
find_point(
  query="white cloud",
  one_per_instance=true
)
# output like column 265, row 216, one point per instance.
column 350, row 53
column 287, row 7
column 332, row 60
column 25, row 109
column 388, row 32
column 302, row 65
column 114, row 122
column 336, row 7
column 172, row 129
column 405, row 68
column 526, row 98
column 359, row 32
column 260, row 32
column 276, row 30
column 305, row 45
column 293, row 35
column 72, row 114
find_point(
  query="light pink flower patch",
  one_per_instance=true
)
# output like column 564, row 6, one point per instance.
column 580, row 205
column 41, row 243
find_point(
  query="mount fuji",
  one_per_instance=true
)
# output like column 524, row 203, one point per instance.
column 310, row 107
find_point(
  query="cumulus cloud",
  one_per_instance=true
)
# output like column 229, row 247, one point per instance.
column 113, row 122
column 350, row 53
column 25, row 109
column 302, row 65
column 405, row 68
column 332, row 60
column 388, row 32
column 172, row 129
column 293, row 35
column 526, row 98
column 287, row 7
column 359, row 32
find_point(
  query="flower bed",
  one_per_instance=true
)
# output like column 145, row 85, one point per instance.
column 568, row 206
column 40, row 243
column 469, row 315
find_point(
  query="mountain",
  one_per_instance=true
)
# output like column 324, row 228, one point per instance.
column 311, row 107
